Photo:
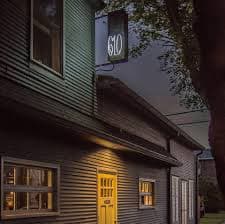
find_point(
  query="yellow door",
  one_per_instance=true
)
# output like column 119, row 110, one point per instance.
column 107, row 198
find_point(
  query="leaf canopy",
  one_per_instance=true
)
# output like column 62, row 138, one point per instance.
column 169, row 23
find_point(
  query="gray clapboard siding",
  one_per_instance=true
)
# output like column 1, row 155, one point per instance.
column 76, row 88
column 79, row 162
column 116, row 111
column 185, row 172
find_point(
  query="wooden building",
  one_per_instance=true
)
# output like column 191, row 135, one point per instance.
column 76, row 149
column 208, row 167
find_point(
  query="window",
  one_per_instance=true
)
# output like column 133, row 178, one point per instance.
column 47, row 33
column 184, row 202
column 29, row 188
column 175, row 199
column 146, row 193
column 191, row 198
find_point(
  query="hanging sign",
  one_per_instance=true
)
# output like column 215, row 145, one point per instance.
column 117, row 45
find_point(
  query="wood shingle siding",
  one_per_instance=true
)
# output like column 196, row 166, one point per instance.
column 79, row 162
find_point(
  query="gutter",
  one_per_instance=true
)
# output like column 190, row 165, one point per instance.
column 168, row 141
column 197, row 187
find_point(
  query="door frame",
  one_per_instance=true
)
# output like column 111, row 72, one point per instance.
column 110, row 172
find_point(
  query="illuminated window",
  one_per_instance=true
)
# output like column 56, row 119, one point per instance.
column 146, row 193
column 29, row 188
column 47, row 33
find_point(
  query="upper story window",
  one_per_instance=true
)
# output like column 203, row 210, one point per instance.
column 47, row 17
column 29, row 188
column 146, row 193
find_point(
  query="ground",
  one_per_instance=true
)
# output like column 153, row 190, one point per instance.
column 211, row 218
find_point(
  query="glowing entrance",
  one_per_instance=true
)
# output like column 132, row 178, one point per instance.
column 107, row 197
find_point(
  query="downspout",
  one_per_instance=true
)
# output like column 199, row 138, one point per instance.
column 197, row 187
column 169, row 182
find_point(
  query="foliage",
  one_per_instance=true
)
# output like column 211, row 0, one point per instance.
column 211, row 218
column 169, row 23
column 212, row 196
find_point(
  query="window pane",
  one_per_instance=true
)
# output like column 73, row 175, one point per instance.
column 21, row 201
column 34, row 177
column 15, row 175
column 47, row 178
column 47, row 24
column 147, row 186
column 9, row 201
column 9, row 175
column 46, row 201
column 150, row 200
column 21, row 176
column 34, row 200
column 147, row 200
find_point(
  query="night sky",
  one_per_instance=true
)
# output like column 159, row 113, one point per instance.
column 143, row 75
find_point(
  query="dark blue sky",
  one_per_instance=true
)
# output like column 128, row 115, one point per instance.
column 144, row 76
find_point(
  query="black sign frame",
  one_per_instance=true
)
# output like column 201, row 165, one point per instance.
column 124, row 22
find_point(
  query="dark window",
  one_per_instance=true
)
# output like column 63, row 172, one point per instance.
column 47, row 33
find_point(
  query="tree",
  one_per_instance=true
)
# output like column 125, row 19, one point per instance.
column 211, row 195
column 155, row 21
column 195, row 61
column 209, row 27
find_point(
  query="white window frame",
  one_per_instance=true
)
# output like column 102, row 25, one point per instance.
column 191, row 198
column 184, row 202
column 38, row 66
column 175, row 199
column 143, row 193
column 30, row 164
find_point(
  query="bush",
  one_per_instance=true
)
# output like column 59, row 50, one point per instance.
column 213, row 199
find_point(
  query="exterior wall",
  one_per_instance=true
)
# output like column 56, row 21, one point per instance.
column 185, row 172
column 79, row 162
column 75, row 89
column 208, row 170
column 120, row 114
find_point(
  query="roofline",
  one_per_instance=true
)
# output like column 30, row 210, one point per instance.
column 177, row 132
column 93, row 135
column 207, row 158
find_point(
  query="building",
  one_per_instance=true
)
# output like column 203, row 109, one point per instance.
column 208, row 185
column 136, row 116
column 76, row 149
column 208, row 167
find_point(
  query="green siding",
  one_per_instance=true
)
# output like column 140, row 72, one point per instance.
column 75, row 89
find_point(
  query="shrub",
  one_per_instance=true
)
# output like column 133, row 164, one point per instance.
column 213, row 199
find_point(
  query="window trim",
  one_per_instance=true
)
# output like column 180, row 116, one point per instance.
column 35, row 213
column 38, row 66
column 184, row 211
column 191, row 205
column 140, row 193
column 178, row 199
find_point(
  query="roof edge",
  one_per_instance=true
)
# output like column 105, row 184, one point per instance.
column 109, row 82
